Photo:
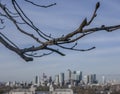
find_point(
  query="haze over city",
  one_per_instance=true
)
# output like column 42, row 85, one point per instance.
column 62, row 18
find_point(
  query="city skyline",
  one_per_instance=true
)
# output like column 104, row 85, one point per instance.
column 64, row 18
column 68, row 77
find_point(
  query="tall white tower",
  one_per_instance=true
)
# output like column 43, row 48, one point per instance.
column 103, row 80
column 56, row 79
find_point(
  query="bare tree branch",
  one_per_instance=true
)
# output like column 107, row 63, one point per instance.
column 36, row 55
column 45, row 42
column 40, row 5
column 16, row 50
column 9, row 40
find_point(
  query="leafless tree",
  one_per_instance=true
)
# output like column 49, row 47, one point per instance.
column 19, row 18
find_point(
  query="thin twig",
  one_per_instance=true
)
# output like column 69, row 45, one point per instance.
column 40, row 5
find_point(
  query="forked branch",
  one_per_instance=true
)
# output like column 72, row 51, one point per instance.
column 46, row 42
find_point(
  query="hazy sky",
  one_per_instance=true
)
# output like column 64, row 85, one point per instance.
column 66, row 16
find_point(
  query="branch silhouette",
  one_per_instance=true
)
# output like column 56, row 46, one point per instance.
column 46, row 42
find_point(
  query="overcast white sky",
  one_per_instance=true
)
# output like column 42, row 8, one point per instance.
column 66, row 16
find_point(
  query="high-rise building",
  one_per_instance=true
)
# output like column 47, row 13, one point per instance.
column 44, row 77
column 73, row 78
column 68, row 76
column 73, row 75
column 90, row 79
column 94, row 78
column 56, row 82
column 78, row 76
column 50, row 79
column 37, row 81
column 103, row 80
column 61, row 79
column 86, row 79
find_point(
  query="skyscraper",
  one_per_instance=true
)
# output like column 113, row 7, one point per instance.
column 68, row 76
column 90, row 79
column 103, row 80
column 61, row 79
column 50, row 79
column 78, row 76
column 37, row 81
column 73, row 78
column 73, row 75
column 56, row 79
column 86, row 79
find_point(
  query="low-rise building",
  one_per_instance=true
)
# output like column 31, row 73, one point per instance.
column 23, row 91
column 62, row 91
